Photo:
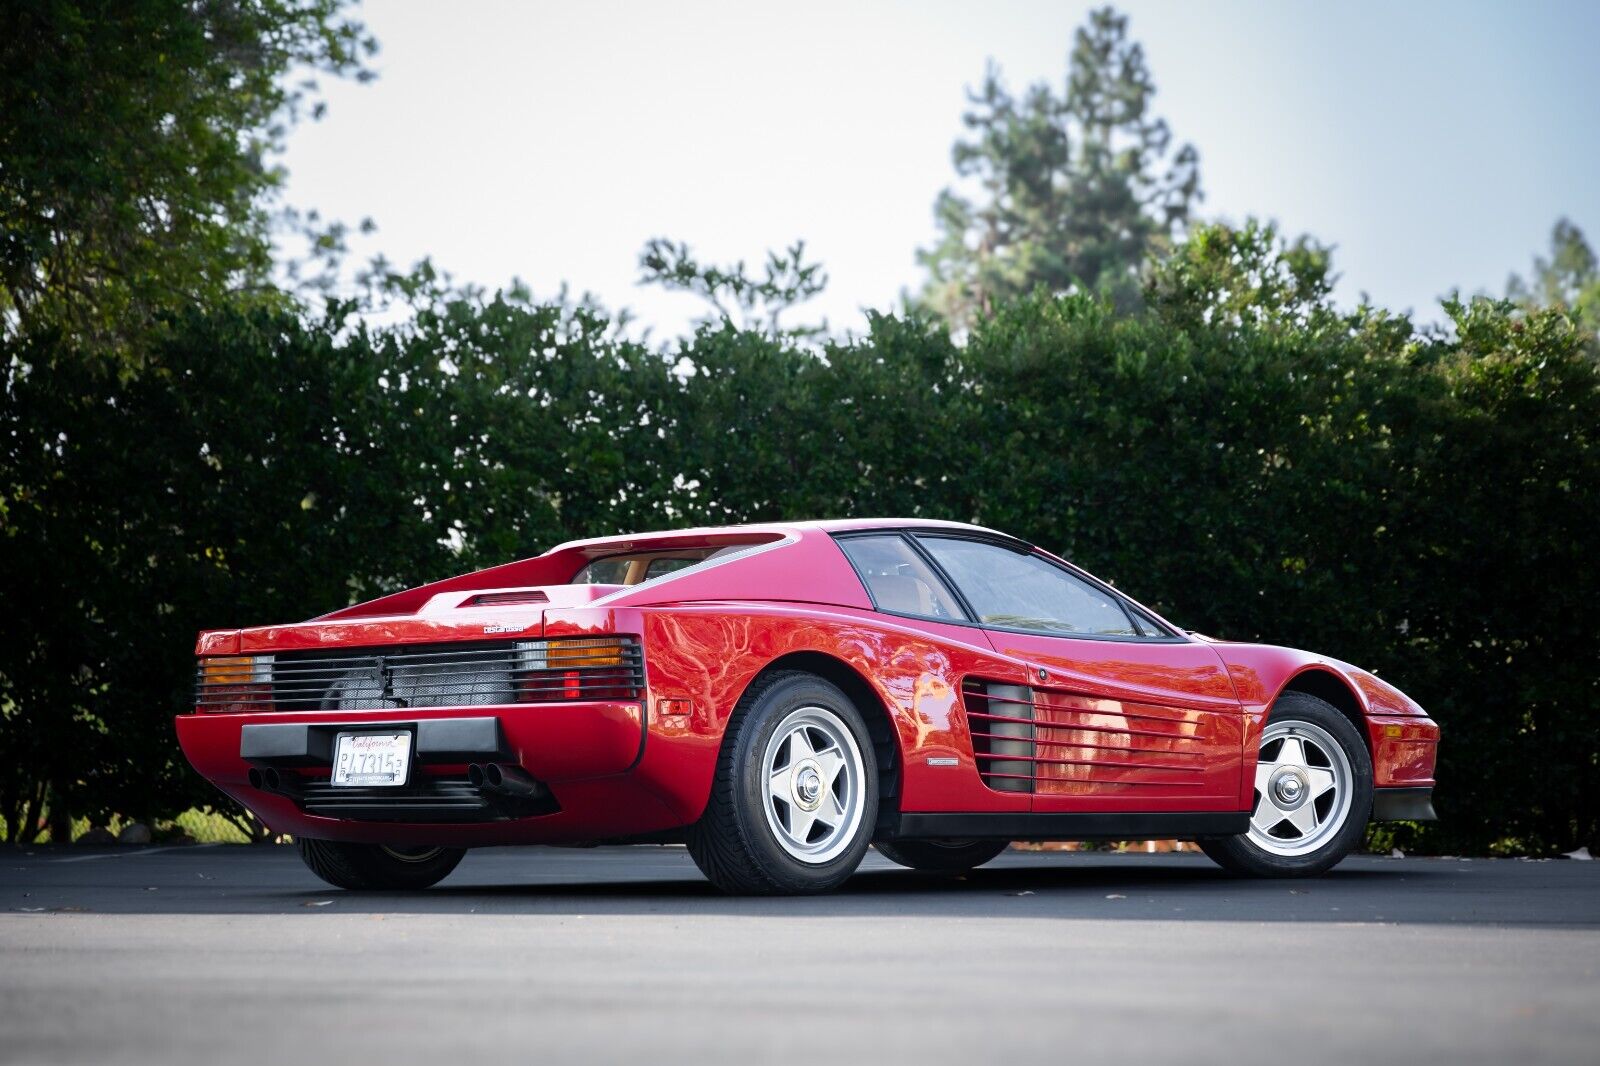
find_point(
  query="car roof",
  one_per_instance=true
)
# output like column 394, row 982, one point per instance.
column 668, row 538
column 721, row 582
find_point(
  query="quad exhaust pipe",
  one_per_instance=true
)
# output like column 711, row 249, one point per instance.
column 506, row 780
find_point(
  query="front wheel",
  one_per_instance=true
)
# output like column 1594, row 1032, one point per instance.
column 1313, row 794
column 942, row 856
column 795, row 798
column 377, row 866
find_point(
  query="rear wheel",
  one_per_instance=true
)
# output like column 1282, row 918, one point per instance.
column 795, row 798
column 1313, row 794
column 942, row 856
column 377, row 866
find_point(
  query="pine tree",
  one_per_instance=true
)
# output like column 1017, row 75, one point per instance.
column 1570, row 278
column 1070, row 190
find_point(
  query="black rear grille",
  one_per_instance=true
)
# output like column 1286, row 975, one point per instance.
column 426, row 799
column 450, row 675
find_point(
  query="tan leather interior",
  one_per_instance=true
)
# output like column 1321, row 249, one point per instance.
column 905, row 595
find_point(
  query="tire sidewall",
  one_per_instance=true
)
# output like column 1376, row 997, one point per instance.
column 372, row 868
column 1244, row 855
column 750, row 745
column 942, row 856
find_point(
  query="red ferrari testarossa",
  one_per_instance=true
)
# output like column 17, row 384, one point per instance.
column 781, row 697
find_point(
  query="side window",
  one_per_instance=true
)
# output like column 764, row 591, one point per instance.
column 1147, row 625
column 897, row 578
column 1019, row 591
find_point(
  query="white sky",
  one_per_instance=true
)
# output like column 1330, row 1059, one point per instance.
column 1434, row 143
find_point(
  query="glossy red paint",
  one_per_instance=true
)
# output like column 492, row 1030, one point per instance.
column 1131, row 725
column 1262, row 672
column 569, row 745
column 1403, row 751
column 1122, row 725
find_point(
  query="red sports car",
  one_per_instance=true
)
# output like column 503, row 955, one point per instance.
column 779, row 698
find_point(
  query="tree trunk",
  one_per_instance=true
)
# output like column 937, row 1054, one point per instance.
column 60, row 818
column 29, row 830
column 10, row 810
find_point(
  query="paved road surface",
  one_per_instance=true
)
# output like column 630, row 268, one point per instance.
column 234, row 954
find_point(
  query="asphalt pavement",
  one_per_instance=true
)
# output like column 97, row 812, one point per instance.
column 238, row 954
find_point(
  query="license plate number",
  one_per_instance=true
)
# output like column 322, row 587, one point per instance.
column 368, row 760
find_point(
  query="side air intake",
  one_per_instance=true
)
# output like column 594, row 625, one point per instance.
column 1001, row 719
column 1055, row 741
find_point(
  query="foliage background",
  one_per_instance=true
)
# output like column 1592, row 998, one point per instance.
column 1185, row 413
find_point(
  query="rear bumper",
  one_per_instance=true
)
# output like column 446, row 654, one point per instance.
column 1403, row 805
column 584, row 753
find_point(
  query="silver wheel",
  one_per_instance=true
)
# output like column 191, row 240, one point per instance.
column 1303, row 789
column 814, row 785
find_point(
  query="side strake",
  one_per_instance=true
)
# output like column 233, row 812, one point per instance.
column 1126, row 725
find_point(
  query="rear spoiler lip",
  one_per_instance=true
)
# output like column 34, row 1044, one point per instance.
column 384, row 632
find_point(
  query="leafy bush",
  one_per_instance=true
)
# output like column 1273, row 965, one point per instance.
column 1246, row 458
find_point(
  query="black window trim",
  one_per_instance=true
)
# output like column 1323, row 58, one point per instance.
column 938, row 574
column 1138, row 618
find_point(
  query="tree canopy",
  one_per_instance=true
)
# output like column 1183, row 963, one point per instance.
column 1070, row 191
column 1569, row 278
column 136, row 141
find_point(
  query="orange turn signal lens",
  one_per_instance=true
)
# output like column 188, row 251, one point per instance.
column 234, row 683
column 562, row 654
column 571, row 668
column 234, row 670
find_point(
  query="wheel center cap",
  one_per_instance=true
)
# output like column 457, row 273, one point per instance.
column 1288, row 789
column 808, row 786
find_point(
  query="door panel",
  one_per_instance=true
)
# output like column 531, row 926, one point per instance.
column 1119, row 725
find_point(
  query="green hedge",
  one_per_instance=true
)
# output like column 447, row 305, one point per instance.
column 1242, row 456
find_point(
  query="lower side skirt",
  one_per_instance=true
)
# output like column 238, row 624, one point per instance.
column 1153, row 825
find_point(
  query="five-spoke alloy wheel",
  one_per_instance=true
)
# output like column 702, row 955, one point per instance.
column 1313, row 793
column 795, row 799
column 814, row 779
column 1302, row 794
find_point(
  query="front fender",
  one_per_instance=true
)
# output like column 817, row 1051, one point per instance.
column 1401, row 739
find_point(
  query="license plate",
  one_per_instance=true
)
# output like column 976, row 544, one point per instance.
column 367, row 760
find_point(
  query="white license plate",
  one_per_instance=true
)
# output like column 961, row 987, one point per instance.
column 365, row 760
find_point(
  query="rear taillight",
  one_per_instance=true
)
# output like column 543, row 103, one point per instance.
column 578, row 668
column 234, row 683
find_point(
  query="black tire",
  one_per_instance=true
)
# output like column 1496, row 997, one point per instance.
column 1242, row 855
column 733, row 843
column 942, row 856
column 377, row 867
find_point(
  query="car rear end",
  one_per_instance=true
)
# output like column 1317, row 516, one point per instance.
column 461, row 725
